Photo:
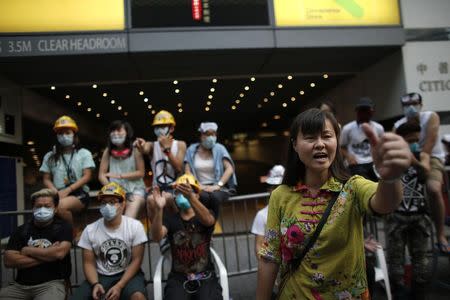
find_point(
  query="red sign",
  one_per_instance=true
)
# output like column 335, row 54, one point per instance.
column 197, row 10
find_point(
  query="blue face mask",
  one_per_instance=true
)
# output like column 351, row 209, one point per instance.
column 43, row 214
column 182, row 202
column 117, row 139
column 108, row 211
column 414, row 147
column 161, row 131
column 65, row 140
column 209, row 141
column 411, row 111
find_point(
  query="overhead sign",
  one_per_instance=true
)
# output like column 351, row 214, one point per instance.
column 61, row 15
column 427, row 71
column 63, row 45
column 336, row 12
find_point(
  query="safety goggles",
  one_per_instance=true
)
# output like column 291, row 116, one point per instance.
column 413, row 97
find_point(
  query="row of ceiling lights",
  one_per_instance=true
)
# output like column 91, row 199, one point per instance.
column 32, row 150
column 242, row 94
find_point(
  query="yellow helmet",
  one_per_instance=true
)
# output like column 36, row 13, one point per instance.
column 163, row 118
column 112, row 189
column 189, row 178
column 65, row 122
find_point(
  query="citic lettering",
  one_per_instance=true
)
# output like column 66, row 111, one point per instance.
column 434, row 85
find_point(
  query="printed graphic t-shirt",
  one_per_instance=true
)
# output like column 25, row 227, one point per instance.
column 190, row 241
column 33, row 236
column 112, row 247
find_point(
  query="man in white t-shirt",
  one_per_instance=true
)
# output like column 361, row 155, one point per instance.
column 354, row 143
column 113, row 249
column 272, row 180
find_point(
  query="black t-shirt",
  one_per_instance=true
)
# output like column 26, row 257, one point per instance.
column 413, row 181
column 190, row 241
column 30, row 235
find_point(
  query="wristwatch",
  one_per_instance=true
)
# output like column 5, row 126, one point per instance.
column 220, row 183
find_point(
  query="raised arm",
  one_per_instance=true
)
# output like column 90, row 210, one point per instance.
column 158, row 230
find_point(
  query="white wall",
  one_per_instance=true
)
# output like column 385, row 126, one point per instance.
column 425, row 13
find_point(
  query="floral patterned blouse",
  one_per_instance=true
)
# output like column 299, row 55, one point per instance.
column 334, row 268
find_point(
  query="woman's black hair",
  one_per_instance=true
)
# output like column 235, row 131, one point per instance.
column 58, row 148
column 329, row 104
column 312, row 121
column 117, row 124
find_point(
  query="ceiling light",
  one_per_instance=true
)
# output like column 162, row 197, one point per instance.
column 67, row 96
column 207, row 108
column 284, row 104
column 113, row 101
column 246, row 88
column 97, row 115
column 180, row 110
column 280, row 86
column 180, row 104
column 264, row 124
column 214, row 80
column 79, row 103
column 277, row 117
column 145, row 100
column 32, row 149
column 289, row 77
column 237, row 101
column 94, row 86
column 210, row 96
column 30, row 143
column 253, row 79
column 53, row 87
column 312, row 84
column 293, row 99
column 301, row 92
column 119, row 107
column 153, row 112
column 212, row 90
column 125, row 113
column 141, row 93
column 105, row 94
column 149, row 106
column 208, row 103
column 272, row 94
column 241, row 95
column 259, row 105
column 177, row 91
column 175, row 82
column 325, row 76
column 265, row 100
column 233, row 107
column 89, row 109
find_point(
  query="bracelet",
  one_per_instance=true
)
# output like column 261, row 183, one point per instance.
column 94, row 284
column 393, row 180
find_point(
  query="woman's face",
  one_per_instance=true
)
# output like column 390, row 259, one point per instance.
column 317, row 151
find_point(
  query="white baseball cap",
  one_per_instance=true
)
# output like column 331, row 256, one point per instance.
column 446, row 139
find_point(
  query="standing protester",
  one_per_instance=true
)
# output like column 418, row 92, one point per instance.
column 409, row 223
column 212, row 165
column 113, row 249
column 67, row 169
column 122, row 164
column 166, row 155
column 317, row 192
column 40, row 251
column 429, row 144
column 355, row 144
column 189, row 231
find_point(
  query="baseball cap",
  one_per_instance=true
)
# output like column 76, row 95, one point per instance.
column 365, row 102
column 275, row 175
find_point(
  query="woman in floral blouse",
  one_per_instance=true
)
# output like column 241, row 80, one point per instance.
column 334, row 267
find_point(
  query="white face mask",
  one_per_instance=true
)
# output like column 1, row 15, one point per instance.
column 411, row 111
column 108, row 211
column 43, row 214
column 117, row 139
column 65, row 139
column 161, row 131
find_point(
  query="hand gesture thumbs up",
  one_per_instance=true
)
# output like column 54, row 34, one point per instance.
column 390, row 153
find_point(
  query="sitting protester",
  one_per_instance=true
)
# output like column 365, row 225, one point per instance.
column 189, row 232
column 113, row 249
column 40, row 251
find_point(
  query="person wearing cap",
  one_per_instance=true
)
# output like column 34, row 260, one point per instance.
column 123, row 164
column 189, row 230
column 212, row 165
column 354, row 143
column 68, row 168
column 446, row 143
column 272, row 180
column 166, row 154
column 40, row 252
column 429, row 144
column 113, row 250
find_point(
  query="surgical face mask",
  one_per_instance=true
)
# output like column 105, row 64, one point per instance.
column 182, row 202
column 414, row 147
column 161, row 131
column 108, row 211
column 117, row 139
column 209, row 141
column 411, row 111
column 43, row 214
column 65, row 139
